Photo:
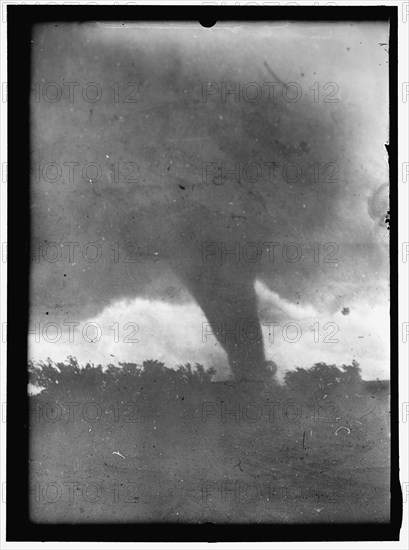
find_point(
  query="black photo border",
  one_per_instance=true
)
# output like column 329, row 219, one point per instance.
column 20, row 20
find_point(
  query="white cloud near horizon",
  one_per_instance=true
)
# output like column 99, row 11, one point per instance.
column 136, row 330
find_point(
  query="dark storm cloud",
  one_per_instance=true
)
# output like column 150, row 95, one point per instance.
column 144, row 127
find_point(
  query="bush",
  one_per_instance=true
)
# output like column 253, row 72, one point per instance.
column 70, row 377
column 320, row 376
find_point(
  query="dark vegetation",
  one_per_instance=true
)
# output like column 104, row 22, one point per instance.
column 61, row 379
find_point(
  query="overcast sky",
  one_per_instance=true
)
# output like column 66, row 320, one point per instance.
column 171, row 132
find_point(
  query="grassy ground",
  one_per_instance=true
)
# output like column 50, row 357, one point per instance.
column 164, row 445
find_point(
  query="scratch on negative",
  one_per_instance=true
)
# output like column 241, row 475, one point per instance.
column 342, row 428
column 117, row 453
column 270, row 70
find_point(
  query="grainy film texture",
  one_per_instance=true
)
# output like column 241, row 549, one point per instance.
column 209, row 293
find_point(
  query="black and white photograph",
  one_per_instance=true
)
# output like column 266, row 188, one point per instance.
column 208, row 271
